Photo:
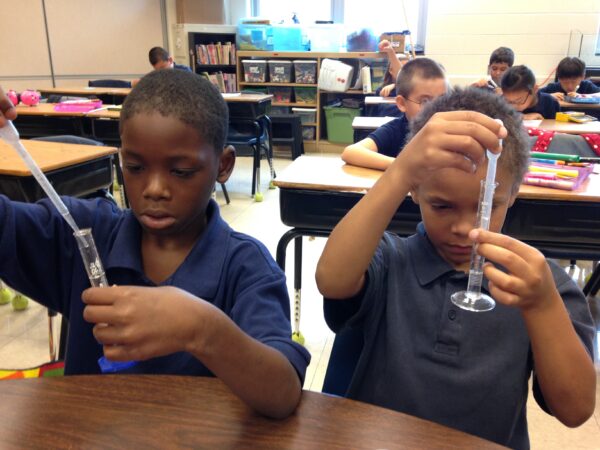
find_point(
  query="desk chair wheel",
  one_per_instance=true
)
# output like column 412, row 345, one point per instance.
column 258, row 197
column 298, row 337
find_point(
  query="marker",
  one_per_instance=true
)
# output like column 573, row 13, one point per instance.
column 569, row 158
column 560, row 172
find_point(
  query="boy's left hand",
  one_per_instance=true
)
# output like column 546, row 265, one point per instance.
column 138, row 323
column 528, row 283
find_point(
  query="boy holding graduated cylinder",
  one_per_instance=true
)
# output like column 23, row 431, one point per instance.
column 422, row 355
column 188, row 295
column 419, row 81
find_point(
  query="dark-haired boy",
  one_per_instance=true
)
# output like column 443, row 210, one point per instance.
column 521, row 92
column 189, row 295
column 420, row 81
column 422, row 355
column 501, row 60
column 570, row 73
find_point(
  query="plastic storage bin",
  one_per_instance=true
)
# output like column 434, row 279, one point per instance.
column 308, row 133
column 307, row 115
column 306, row 95
column 279, row 110
column 281, row 94
column 255, row 37
column 255, row 70
column 287, row 38
column 280, row 71
column 305, row 71
column 339, row 123
column 325, row 37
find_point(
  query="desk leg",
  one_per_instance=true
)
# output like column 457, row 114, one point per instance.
column 296, row 234
column 593, row 284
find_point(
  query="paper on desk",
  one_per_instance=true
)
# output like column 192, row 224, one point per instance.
column 230, row 94
column 532, row 123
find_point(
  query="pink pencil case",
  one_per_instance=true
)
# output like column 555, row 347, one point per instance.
column 566, row 184
column 78, row 106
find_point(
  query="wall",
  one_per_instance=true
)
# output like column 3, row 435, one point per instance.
column 88, row 40
column 461, row 34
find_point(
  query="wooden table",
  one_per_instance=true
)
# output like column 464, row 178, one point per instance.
column 564, row 127
column 317, row 191
column 74, row 170
column 157, row 411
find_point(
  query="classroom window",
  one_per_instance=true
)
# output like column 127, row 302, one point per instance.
column 307, row 11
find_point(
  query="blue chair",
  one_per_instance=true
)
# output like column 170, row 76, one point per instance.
column 109, row 83
column 257, row 135
column 347, row 346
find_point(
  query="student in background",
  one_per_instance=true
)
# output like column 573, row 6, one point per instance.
column 422, row 355
column 570, row 73
column 420, row 81
column 188, row 295
column 388, row 86
column 160, row 59
column 521, row 91
column 501, row 60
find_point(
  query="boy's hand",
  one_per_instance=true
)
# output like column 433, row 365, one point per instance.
column 533, row 116
column 385, row 46
column 528, row 283
column 455, row 139
column 558, row 96
column 138, row 323
column 7, row 110
column 385, row 91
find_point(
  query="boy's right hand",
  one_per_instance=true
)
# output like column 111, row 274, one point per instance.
column 7, row 109
column 455, row 139
column 558, row 96
column 385, row 91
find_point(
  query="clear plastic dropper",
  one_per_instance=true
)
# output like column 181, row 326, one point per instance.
column 85, row 240
column 472, row 299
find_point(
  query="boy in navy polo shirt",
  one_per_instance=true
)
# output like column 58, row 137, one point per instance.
column 189, row 295
column 501, row 60
column 419, row 81
column 521, row 92
column 421, row 354
column 570, row 73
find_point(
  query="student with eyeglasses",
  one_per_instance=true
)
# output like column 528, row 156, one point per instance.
column 420, row 81
column 521, row 92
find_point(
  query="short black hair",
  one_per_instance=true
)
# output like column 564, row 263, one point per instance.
column 420, row 67
column 518, row 78
column 515, row 147
column 186, row 96
column 502, row 55
column 570, row 67
column 157, row 54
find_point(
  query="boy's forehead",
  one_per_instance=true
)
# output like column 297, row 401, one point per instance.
column 428, row 86
column 450, row 182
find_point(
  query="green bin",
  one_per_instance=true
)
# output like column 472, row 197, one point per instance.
column 339, row 123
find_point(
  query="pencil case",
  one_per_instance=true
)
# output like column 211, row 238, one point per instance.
column 541, row 175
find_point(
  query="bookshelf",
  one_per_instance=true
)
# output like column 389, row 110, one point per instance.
column 214, row 55
column 320, row 142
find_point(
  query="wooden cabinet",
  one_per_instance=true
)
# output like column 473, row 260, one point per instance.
column 322, row 97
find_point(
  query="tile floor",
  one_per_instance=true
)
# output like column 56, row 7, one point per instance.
column 24, row 335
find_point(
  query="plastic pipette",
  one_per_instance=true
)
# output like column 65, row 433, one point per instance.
column 472, row 299
column 85, row 240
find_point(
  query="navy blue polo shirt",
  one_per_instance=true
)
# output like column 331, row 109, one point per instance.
column 425, row 357
column 181, row 67
column 234, row 272
column 390, row 138
column 546, row 105
column 585, row 87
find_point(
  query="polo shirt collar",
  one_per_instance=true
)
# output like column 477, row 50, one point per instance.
column 427, row 262
column 200, row 273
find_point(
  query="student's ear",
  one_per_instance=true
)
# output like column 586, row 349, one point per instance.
column 226, row 164
column 535, row 89
column 414, row 194
column 401, row 103
column 513, row 196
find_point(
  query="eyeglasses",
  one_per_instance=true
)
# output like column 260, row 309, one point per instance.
column 423, row 101
column 518, row 102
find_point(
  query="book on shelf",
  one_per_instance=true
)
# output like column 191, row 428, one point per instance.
column 225, row 82
column 222, row 53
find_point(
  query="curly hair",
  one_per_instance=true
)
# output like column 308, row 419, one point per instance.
column 515, row 147
column 188, row 97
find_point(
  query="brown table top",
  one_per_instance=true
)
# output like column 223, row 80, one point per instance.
column 48, row 156
column 566, row 106
column 84, row 90
column 45, row 109
column 154, row 411
column 564, row 127
column 330, row 173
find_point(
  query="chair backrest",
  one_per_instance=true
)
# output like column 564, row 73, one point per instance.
column 287, row 130
column 345, row 352
column 68, row 139
column 109, row 83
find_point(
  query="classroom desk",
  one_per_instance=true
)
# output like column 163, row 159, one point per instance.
column 364, row 125
column 317, row 191
column 564, row 127
column 43, row 120
column 158, row 411
column 107, row 95
column 74, row 170
column 371, row 103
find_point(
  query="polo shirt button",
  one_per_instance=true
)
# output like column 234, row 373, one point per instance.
column 452, row 314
